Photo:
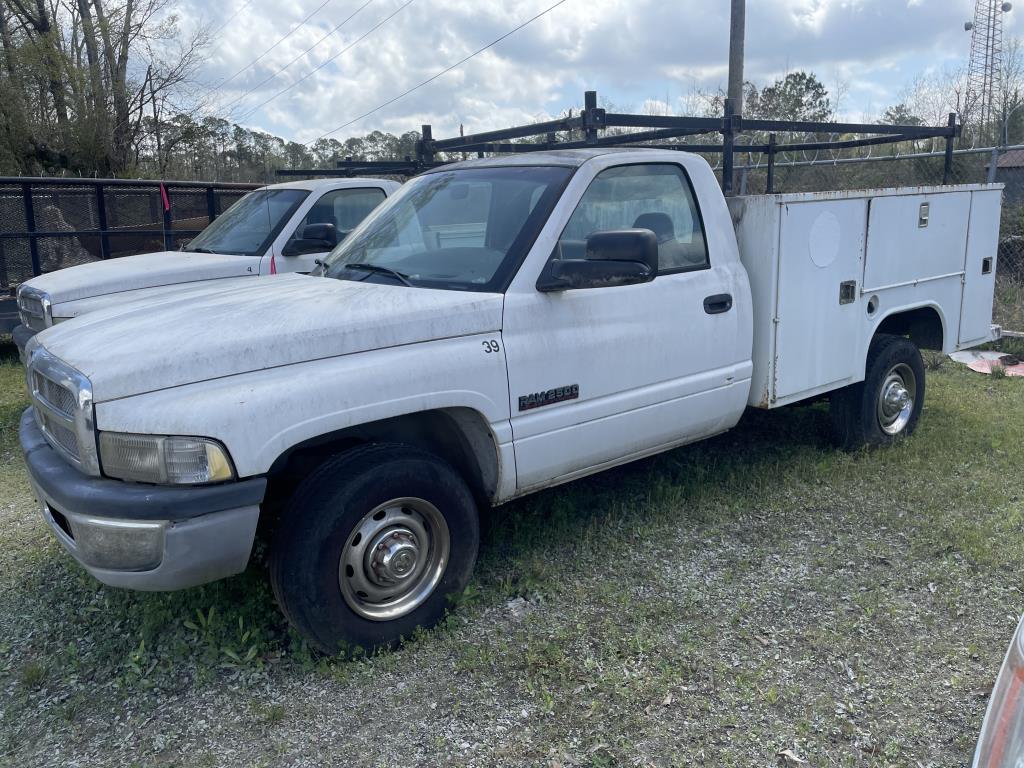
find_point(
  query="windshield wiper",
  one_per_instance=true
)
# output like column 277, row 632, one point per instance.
column 199, row 250
column 380, row 270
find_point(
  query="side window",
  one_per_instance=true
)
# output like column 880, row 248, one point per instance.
column 657, row 197
column 344, row 208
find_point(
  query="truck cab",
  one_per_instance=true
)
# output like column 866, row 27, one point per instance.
column 275, row 229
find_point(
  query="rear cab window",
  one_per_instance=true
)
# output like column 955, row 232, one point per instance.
column 344, row 208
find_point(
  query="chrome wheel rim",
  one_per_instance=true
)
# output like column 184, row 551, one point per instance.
column 394, row 558
column 896, row 399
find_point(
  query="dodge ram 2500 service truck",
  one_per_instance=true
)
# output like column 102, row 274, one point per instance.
column 496, row 327
column 279, row 228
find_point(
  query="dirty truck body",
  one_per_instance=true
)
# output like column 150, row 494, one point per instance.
column 496, row 327
column 263, row 233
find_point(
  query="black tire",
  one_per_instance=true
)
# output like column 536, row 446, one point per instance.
column 320, row 521
column 856, row 416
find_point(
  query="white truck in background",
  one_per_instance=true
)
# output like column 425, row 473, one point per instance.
column 273, row 229
column 497, row 327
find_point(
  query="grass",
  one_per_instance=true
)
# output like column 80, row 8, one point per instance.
column 715, row 605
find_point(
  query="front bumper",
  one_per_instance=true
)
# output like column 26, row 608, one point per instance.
column 9, row 316
column 142, row 536
column 22, row 334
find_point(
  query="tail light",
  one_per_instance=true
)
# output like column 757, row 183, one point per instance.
column 1001, row 744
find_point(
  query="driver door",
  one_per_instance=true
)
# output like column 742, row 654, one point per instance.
column 606, row 374
column 343, row 209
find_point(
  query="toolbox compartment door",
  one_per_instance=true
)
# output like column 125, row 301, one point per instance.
column 980, row 268
column 914, row 239
column 821, row 247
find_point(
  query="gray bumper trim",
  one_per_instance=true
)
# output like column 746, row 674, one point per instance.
column 195, row 551
column 70, row 491
column 9, row 315
column 21, row 335
column 143, row 537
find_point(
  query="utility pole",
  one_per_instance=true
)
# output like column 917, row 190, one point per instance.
column 736, row 34
column 734, row 100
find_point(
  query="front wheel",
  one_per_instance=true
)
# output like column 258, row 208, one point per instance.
column 887, row 404
column 371, row 547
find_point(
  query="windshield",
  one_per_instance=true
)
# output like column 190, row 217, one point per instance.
column 248, row 227
column 465, row 229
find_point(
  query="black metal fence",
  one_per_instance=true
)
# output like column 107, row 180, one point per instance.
column 47, row 224
column 594, row 126
column 751, row 159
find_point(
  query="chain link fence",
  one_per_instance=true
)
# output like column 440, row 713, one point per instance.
column 821, row 171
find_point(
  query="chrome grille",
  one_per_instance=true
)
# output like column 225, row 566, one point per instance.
column 62, row 402
column 32, row 311
column 59, row 433
column 59, row 398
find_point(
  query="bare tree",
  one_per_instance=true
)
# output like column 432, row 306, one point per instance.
column 1011, row 96
column 109, row 72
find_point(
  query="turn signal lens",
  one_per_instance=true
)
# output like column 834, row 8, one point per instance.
column 1001, row 744
column 164, row 460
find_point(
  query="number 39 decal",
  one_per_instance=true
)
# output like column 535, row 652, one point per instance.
column 491, row 346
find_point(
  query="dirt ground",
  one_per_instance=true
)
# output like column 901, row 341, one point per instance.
column 717, row 605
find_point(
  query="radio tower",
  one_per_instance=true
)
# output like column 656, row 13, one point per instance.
column 984, row 75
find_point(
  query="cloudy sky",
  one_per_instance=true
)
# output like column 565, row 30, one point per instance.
column 630, row 51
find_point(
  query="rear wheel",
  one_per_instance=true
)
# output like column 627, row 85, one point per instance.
column 887, row 404
column 371, row 547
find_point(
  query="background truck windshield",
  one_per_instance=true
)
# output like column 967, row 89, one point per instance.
column 465, row 229
column 248, row 227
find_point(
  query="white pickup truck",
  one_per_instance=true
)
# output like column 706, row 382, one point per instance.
column 496, row 327
column 278, row 228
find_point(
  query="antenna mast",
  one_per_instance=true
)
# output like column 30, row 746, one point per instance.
column 985, row 72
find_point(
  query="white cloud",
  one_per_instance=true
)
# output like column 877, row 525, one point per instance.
column 631, row 51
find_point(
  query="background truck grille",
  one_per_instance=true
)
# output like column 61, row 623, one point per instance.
column 32, row 313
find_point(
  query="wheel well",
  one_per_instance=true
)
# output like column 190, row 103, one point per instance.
column 460, row 436
column 923, row 326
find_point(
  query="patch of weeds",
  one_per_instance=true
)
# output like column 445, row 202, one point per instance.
column 269, row 714
column 474, row 657
column 73, row 706
column 228, row 643
column 33, row 675
column 934, row 360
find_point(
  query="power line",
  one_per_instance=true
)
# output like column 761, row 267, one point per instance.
column 439, row 74
column 292, row 31
column 305, row 77
column 231, row 18
column 314, row 45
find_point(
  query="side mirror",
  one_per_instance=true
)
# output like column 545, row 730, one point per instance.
column 315, row 238
column 618, row 257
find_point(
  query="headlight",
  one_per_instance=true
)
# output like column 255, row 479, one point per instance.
column 1001, row 744
column 164, row 460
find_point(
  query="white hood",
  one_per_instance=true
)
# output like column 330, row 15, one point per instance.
column 148, row 270
column 262, row 323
